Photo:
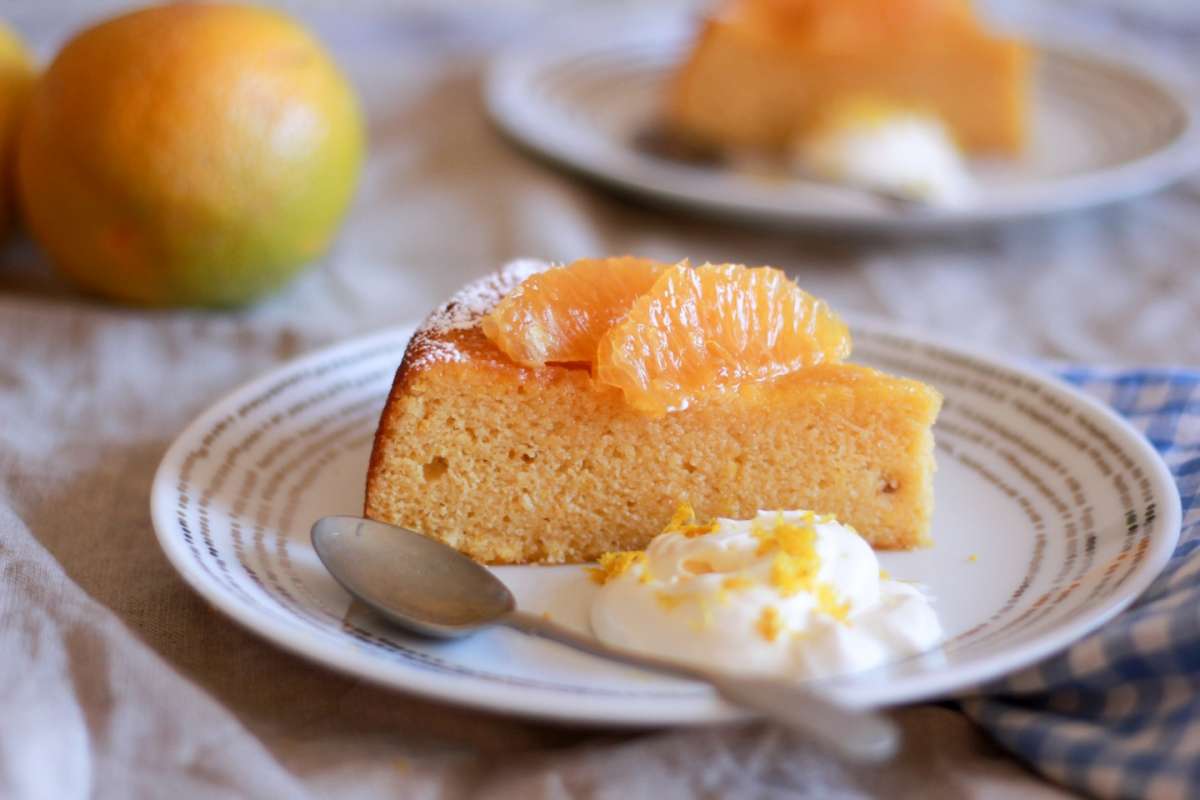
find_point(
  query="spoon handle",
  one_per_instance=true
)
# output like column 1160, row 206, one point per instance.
column 859, row 735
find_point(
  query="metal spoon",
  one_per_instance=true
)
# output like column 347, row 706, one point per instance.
column 429, row 588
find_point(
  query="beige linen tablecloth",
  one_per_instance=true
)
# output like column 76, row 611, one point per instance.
column 117, row 681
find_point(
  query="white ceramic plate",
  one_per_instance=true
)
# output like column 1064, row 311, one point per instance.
column 1101, row 131
column 1067, row 511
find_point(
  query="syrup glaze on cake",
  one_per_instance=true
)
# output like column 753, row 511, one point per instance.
column 512, row 464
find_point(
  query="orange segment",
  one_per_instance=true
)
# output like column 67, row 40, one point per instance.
column 559, row 315
column 703, row 332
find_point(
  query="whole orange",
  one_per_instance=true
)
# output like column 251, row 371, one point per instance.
column 16, row 78
column 190, row 154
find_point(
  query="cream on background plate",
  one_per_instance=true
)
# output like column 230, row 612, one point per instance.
column 1101, row 130
column 1052, row 515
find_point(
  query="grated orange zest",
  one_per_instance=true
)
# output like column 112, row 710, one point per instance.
column 683, row 521
column 769, row 624
column 614, row 565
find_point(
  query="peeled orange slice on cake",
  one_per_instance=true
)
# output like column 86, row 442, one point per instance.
column 707, row 331
column 559, row 315
column 668, row 336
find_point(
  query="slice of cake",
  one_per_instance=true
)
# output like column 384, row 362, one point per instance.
column 512, row 463
column 763, row 72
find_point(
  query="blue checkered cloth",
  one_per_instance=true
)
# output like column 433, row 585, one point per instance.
column 1118, row 713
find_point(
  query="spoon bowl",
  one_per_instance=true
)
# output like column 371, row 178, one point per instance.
column 416, row 582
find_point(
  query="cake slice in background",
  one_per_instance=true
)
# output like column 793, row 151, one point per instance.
column 763, row 72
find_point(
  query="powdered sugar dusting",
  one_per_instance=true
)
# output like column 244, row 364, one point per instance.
column 430, row 344
column 470, row 303
column 424, row 350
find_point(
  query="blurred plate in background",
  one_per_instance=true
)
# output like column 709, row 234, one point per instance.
column 1101, row 131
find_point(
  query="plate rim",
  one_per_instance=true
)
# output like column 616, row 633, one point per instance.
column 703, row 706
column 1137, row 177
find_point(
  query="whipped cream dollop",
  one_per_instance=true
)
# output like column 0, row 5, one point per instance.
column 907, row 155
column 789, row 593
